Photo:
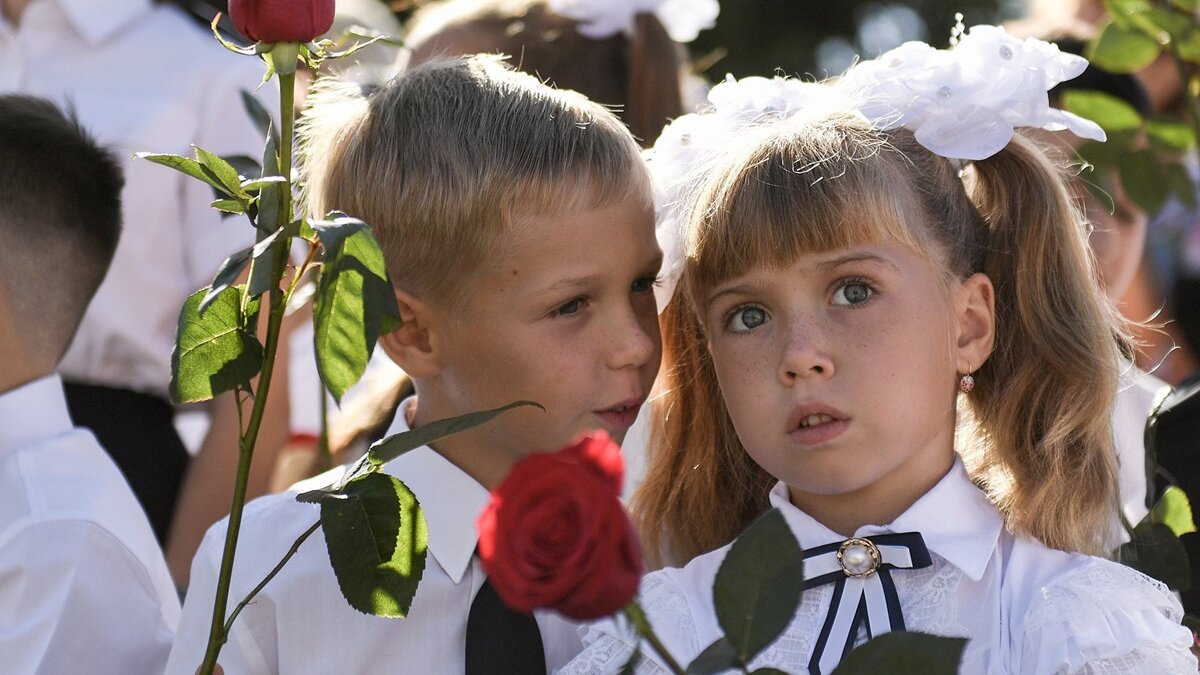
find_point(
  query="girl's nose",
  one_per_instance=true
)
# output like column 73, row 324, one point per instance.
column 804, row 357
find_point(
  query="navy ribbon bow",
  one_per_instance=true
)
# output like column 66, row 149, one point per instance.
column 863, row 593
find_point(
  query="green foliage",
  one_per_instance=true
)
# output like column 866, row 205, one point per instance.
column 1141, row 176
column 377, row 538
column 904, row 653
column 716, row 658
column 395, row 445
column 227, row 273
column 1175, row 511
column 758, row 586
column 1154, row 550
column 354, row 304
column 214, row 352
column 188, row 167
column 1111, row 113
column 1123, row 48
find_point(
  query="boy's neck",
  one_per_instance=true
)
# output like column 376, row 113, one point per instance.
column 19, row 366
column 466, row 450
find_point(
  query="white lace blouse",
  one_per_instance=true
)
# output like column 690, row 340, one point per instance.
column 1025, row 608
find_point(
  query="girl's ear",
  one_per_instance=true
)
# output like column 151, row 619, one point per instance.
column 976, row 322
column 415, row 345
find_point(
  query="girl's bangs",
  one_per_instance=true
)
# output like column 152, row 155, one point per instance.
column 811, row 189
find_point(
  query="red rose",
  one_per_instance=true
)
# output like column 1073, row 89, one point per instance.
column 281, row 20
column 556, row 535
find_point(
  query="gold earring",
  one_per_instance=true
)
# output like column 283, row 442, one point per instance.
column 966, row 383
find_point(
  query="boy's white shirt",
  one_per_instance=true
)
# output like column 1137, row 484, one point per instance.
column 301, row 623
column 1027, row 609
column 83, row 584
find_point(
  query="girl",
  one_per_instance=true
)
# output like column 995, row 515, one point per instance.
column 853, row 308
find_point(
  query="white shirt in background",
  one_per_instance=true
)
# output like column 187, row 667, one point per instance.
column 83, row 585
column 1135, row 399
column 300, row 623
column 1027, row 609
column 142, row 76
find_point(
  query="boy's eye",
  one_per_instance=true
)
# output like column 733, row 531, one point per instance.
column 852, row 293
column 746, row 318
column 645, row 284
column 569, row 308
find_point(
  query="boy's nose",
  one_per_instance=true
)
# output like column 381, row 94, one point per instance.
column 635, row 341
column 804, row 358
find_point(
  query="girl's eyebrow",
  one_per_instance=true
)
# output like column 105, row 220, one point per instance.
column 870, row 258
column 738, row 289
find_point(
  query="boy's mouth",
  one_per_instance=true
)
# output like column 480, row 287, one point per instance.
column 622, row 415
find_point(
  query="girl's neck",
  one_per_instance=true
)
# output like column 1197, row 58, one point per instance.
column 879, row 503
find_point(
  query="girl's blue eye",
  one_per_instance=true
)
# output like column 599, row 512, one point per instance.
column 852, row 293
column 746, row 318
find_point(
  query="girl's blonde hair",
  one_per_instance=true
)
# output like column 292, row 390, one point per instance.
column 445, row 161
column 640, row 74
column 1037, row 437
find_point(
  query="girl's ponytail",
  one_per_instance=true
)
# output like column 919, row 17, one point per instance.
column 1043, row 400
column 653, row 92
column 701, row 487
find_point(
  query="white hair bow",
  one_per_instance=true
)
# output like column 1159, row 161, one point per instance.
column 963, row 103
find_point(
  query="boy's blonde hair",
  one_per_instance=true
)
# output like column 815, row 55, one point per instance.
column 1037, row 436
column 445, row 161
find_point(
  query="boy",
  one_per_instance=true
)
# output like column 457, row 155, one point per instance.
column 518, row 227
column 83, row 585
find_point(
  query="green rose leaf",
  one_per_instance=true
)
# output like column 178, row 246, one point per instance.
column 393, row 446
column 225, row 173
column 186, row 166
column 630, row 666
column 376, row 536
column 716, row 658
column 1110, row 112
column 213, row 352
column 259, row 115
column 354, row 303
column 1154, row 550
column 255, row 184
column 1186, row 5
column 904, row 653
column 1122, row 48
column 226, row 275
column 268, row 222
column 758, row 586
column 1141, row 176
column 228, row 205
column 1175, row 511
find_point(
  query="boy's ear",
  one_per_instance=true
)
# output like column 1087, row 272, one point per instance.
column 976, row 315
column 414, row 346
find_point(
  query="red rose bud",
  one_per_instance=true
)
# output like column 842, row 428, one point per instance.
column 555, row 534
column 282, row 20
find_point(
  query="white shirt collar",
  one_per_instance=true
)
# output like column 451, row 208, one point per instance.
column 97, row 21
column 450, row 499
column 966, row 541
column 33, row 413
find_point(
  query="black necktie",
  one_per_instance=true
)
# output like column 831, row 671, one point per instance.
column 501, row 641
column 864, row 594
